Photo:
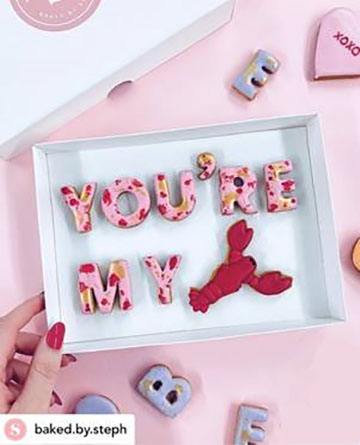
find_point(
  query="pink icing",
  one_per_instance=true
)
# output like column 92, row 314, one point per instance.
column 188, row 198
column 207, row 162
column 338, row 45
column 80, row 206
column 91, row 285
column 276, row 187
column 110, row 206
column 163, row 276
column 237, row 184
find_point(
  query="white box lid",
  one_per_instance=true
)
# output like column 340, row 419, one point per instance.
column 41, row 71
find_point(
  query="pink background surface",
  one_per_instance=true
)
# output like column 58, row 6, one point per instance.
column 309, row 380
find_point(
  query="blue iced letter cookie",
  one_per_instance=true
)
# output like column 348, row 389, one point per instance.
column 256, row 74
column 245, row 432
column 168, row 394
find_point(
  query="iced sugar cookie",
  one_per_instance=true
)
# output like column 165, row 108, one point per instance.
column 188, row 198
column 80, row 206
column 237, row 270
column 246, row 433
column 276, row 187
column 110, row 205
column 92, row 289
column 207, row 163
column 237, row 184
column 168, row 394
column 356, row 255
column 338, row 45
column 96, row 404
column 163, row 276
column 256, row 74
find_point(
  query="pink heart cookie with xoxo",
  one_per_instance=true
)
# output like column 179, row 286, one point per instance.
column 338, row 45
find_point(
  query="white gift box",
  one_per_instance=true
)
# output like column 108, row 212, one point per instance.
column 301, row 243
column 47, row 78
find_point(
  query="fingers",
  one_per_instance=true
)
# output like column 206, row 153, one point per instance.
column 26, row 344
column 14, row 390
column 19, row 370
column 36, row 394
column 67, row 359
column 11, row 323
column 21, row 315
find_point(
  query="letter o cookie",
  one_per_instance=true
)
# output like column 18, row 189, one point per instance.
column 110, row 206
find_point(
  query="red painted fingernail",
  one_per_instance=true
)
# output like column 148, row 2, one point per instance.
column 55, row 336
column 57, row 399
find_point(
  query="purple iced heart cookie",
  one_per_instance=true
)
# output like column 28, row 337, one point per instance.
column 168, row 394
column 96, row 404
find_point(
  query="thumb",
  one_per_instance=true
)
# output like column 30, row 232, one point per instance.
column 36, row 394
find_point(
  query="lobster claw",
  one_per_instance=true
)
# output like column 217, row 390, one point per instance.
column 239, row 236
column 198, row 301
column 270, row 283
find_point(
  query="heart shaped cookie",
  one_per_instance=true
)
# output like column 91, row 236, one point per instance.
column 338, row 45
column 168, row 394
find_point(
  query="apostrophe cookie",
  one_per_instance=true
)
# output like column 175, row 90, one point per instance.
column 163, row 276
column 246, row 433
column 96, row 404
column 110, row 205
column 256, row 74
column 168, row 394
column 237, row 184
column 207, row 163
column 237, row 270
column 188, row 198
column 80, row 206
column 92, row 290
column 277, row 187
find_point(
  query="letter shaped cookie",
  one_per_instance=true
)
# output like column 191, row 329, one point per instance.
column 256, row 74
column 168, row 394
column 188, row 198
column 80, row 206
column 276, row 187
column 246, row 433
column 163, row 276
column 237, row 184
column 110, row 206
column 92, row 290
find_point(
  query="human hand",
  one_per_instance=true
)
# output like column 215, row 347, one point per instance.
column 29, row 388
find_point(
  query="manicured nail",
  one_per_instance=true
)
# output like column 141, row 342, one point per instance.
column 57, row 399
column 55, row 336
column 71, row 358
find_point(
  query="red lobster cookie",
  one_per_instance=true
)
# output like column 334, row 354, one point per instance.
column 236, row 271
